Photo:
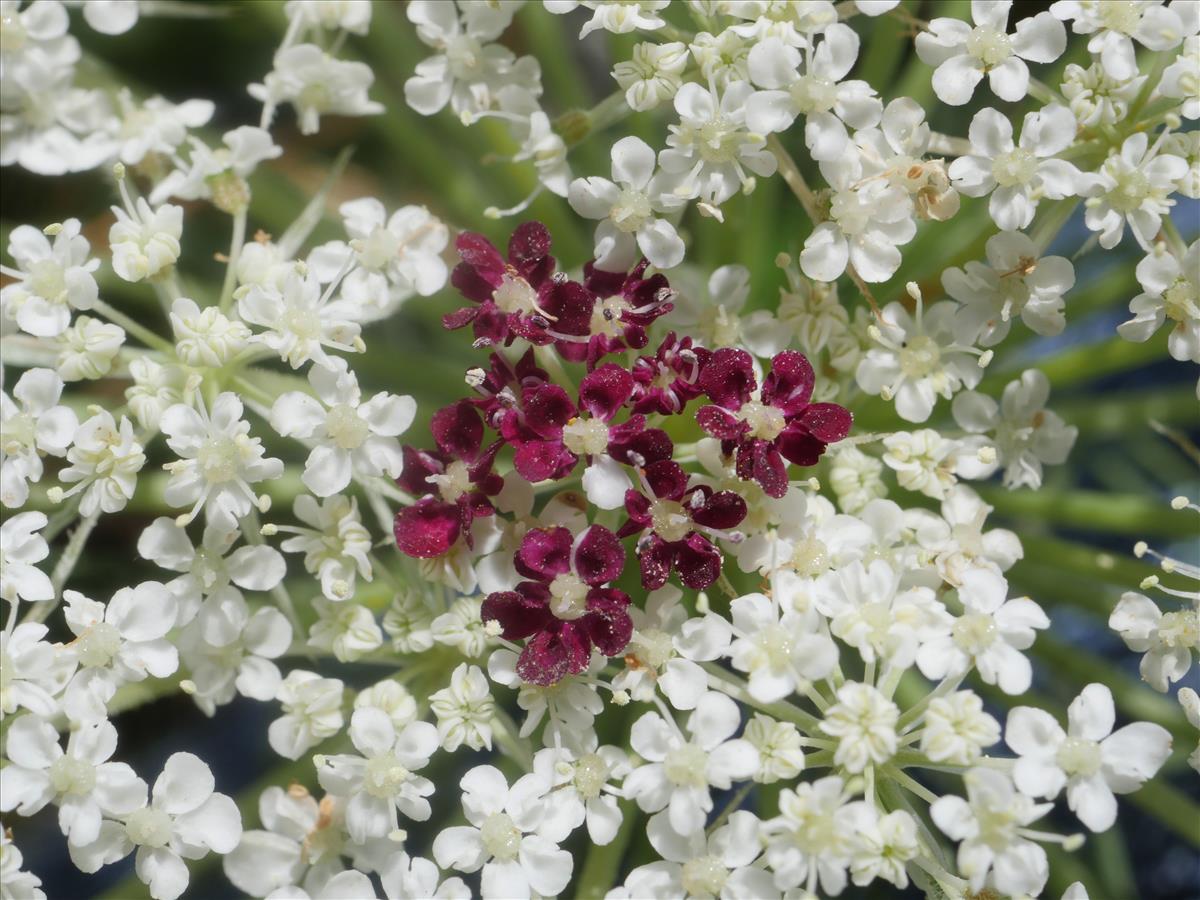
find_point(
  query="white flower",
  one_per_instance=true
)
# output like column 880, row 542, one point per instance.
column 145, row 241
column 299, row 321
column 710, row 149
column 1181, row 79
column 156, row 125
column 1095, row 97
column 1186, row 144
column 461, row 627
column 184, row 819
column 918, row 359
column 1089, row 758
column 105, row 459
column 124, row 640
column 206, row 337
column 628, row 209
column 1115, row 26
column 795, row 23
column 963, row 55
column 21, row 549
column 503, row 838
column 347, row 630
column 335, row 544
column 820, row 95
column 868, row 610
column 653, row 75
column 464, row 710
column 347, row 15
column 698, row 865
column 864, row 722
column 312, row 708
column 391, row 697
column 681, row 770
column 35, row 425
column 777, row 648
column 1014, row 282
column 989, row 824
column 867, row 221
column 1166, row 639
column 1132, row 186
column 810, row 840
column 855, row 478
column 958, row 538
column 723, row 58
column 1018, row 175
column 349, row 435
column 345, row 884
column 569, row 706
column 155, row 387
column 317, row 84
column 1170, row 290
column 882, row 844
column 218, row 460
column 17, row 884
column 896, row 150
column 81, row 782
column 662, row 653
column 539, row 143
column 35, row 671
column 1026, row 434
column 415, row 878
column 957, row 729
column 243, row 663
column 469, row 70
column 923, row 461
column 51, row 279
column 990, row 634
column 382, row 780
column 711, row 314
column 580, row 791
column 617, row 16
column 780, row 748
column 408, row 621
column 87, row 349
column 219, row 174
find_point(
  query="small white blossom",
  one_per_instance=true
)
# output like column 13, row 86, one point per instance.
column 145, row 241
column 1132, row 187
column 299, row 321
column 155, row 388
column 1170, row 290
column 18, row 884
column 33, row 426
column 777, row 648
column 35, row 671
column 335, row 543
column 923, row 460
column 864, row 722
column 312, row 708
column 464, row 710
column 810, row 841
column 347, row 630
column 1095, row 97
column 581, row 791
column 1181, row 79
column 1167, row 640
column 957, row 729
column 105, row 459
column 723, row 58
column 882, row 844
column 317, row 84
column 1090, row 759
column 206, row 337
column 780, row 748
column 51, row 279
column 21, row 549
column 87, row 350
column 1115, row 26
column 353, row 16
column 156, row 125
column 409, row 621
column 653, row 75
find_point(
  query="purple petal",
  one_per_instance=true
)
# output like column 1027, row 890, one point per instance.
column 721, row 423
column 827, row 422
column 728, row 379
column 607, row 620
column 599, row 556
column 789, row 386
column 698, row 561
column 519, row 615
column 654, row 560
column 552, row 655
column 603, row 392
column 458, row 430
column 544, row 553
column 428, row 528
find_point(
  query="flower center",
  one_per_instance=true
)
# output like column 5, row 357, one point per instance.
column 464, row 56
column 850, row 211
column 717, row 141
column 631, row 210
column 585, row 437
column 515, row 295
column 989, row 46
column 303, row 323
column 500, row 837
column 669, row 520
column 1016, row 167
column 384, row 776
column 811, row 557
column 19, row 433
column 1179, row 629
column 148, row 827
column 220, row 460
column 1131, row 189
column 454, row 482
column 974, row 632
column 69, row 775
column 776, row 645
column 568, row 596
column 606, row 316
column 1078, row 756
column 704, row 877
column 346, row 427
column 654, row 647
column 919, row 356
column 46, row 280
column 997, row 826
column 686, row 765
column 1122, row 16
column 765, row 421
column 12, row 33
column 97, row 646
column 1179, row 301
column 591, row 772
column 378, row 249
column 811, row 94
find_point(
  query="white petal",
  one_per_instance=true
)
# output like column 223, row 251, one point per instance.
column 185, row 783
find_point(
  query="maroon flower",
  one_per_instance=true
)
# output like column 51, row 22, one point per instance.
column 681, row 523
column 666, row 381
column 454, row 483
column 625, row 306
column 520, row 296
column 782, row 425
column 548, row 433
column 500, row 388
column 564, row 609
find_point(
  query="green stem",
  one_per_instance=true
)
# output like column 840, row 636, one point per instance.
column 141, row 332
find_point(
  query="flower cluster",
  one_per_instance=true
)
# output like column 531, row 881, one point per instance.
column 691, row 570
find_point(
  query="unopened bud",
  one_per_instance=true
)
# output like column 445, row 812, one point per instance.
column 984, row 358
